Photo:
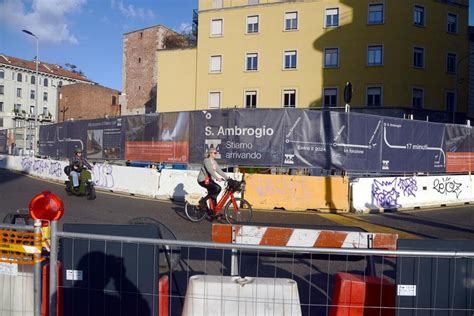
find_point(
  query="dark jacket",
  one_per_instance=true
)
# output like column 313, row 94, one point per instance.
column 78, row 163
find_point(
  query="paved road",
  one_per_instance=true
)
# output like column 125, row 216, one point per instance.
column 16, row 190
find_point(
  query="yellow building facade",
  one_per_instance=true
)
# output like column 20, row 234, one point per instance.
column 272, row 54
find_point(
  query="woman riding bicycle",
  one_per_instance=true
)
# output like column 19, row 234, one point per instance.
column 209, row 172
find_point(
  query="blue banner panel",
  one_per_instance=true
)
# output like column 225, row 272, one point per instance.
column 332, row 140
column 245, row 137
column 293, row 138
column 412, row 146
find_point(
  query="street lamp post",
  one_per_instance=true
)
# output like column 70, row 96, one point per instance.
column 36, row 88
column 457, row 84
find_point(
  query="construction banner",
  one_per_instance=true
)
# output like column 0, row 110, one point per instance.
column 293, row 138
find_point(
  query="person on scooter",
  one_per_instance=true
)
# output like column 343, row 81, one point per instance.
column 77, row 163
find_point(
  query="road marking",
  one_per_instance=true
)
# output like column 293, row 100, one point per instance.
column 353, row 220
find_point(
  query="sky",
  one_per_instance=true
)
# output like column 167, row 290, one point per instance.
column 89, row 33
column 86, row 33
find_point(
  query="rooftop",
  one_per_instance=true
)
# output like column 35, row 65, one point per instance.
column 46, row 68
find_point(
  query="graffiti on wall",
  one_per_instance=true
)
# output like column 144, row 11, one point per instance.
column 446, row 186
column 102, row 175
column 408, row 186
column 386, row 192
column 43, row 167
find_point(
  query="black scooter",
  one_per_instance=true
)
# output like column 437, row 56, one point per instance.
column 86, row 185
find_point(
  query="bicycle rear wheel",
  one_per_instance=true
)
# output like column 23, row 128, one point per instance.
column 241, row 214
column 194, row 213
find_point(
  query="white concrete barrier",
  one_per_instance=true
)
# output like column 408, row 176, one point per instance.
column 368, row 194
column 41, row 168
column 167, row 184
column 397, row 193
column 224, row 295
column 132, row 180
column 16, row 290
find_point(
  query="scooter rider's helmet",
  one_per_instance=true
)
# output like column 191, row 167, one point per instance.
column 77, row 150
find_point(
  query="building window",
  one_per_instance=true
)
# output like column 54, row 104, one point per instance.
column 216, row 4
column 451, row 63
column 417, row 98
column 215, row 64
column 253, row 2
column 18, row 92
column 17, row 107
column 331, row 57
column 19, row 77
column 374, row 96
column 32, row 109
column 139, row 60
column 214, row 100
column 32, row 94
column 1, row 89
column 60, row 83
column 452, row 23
column 450, row 99
column 45, row 82
column 290, row 59
column 141, row 35
column 418, row 57
column 291, row 21
column 289, row 98
column 45, row 111
column 251, row 62
column 45, row 96
column 252, row 24
column 250, row 99
column 1, row 122
column 33, row 79
column 375, row 55
column 216, row 27
column 1, row 106
column 2, row 74
column 419, row 15
column 375, row 13
column 330, row 97
column 332, row 17
column 114, row 100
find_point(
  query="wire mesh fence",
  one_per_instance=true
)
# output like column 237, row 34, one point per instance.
column 115, row 276
column 123, row 275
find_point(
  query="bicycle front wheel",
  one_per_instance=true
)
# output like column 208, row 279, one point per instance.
column 194, row 213
column 241, row 214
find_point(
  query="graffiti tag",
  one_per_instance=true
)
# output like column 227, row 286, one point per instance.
column 39, row 166
column 103, row 175
column 26, row 163
column 408, row 186
column 55, row 169
column 385, row 193
column 447, row 186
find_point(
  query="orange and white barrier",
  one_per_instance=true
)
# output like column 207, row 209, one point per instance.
column 296, row 237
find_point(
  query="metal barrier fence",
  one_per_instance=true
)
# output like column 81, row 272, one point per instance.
column 118, row 275
column 270, row 280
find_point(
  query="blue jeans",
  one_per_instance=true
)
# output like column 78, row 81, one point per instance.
column 75, row 178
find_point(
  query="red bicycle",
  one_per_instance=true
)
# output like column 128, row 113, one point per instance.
column 236, row 210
